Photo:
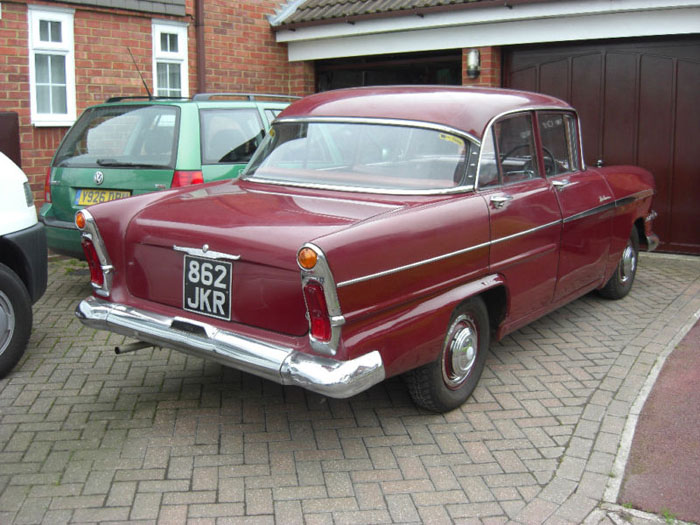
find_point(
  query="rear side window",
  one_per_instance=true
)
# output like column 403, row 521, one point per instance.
column 230, row 136
column 122, row 136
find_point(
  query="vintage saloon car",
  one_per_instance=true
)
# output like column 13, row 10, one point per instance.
column 376, row 232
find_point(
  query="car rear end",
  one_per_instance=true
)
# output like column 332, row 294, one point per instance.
column 204, row 272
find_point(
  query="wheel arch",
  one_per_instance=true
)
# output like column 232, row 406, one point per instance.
column 496, row 301
column 12, row 257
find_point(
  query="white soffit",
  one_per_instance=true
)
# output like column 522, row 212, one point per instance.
column 494, row 26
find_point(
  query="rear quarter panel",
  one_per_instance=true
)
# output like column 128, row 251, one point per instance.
column 400, row 276
column 633, row 189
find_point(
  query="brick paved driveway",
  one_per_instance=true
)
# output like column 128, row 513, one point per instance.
column 86, row 436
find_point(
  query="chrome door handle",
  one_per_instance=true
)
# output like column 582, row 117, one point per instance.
column 561, row 184
column 499, row 201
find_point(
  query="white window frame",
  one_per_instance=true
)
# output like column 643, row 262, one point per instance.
column 180, row 57
column 66, row 48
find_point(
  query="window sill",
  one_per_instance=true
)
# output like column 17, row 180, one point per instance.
column 53, row 123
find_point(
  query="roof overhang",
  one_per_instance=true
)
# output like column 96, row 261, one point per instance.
column 523, row 23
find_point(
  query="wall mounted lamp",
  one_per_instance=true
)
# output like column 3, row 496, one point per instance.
column 473, row 63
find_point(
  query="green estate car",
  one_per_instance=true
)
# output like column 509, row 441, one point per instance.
column 128, row 146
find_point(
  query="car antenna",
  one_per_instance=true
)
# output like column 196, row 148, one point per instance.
column 139, row 72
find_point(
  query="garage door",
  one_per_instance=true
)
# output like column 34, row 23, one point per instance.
column 639, row 102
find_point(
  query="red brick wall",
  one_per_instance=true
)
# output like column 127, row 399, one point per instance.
column 241, row 55
column 490, row 75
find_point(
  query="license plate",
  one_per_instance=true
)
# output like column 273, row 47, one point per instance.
column 86, row 197
column 207, row 287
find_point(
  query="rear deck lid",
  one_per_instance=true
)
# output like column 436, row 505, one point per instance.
column 237, row 239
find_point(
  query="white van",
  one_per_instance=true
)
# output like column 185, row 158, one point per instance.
column 23, row 263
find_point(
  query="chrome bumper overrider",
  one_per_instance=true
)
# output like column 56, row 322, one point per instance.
column 286, row 366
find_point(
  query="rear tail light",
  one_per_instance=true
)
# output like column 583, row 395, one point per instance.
column 96, row 276
column 185, row 178
column 317, row 309
column 47, row 185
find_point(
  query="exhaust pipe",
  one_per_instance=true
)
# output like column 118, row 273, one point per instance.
column 131, row 347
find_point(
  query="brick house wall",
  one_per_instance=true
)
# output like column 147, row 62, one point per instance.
column 240, row 53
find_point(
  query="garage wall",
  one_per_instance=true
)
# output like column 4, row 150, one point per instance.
column 639, row 104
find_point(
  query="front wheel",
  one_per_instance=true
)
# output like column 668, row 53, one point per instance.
column 448, row 381
column 15, row 319
column 621, row 281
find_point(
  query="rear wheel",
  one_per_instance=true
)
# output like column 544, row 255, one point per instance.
column 448, row 381
column 621, row 281
column 15, row 319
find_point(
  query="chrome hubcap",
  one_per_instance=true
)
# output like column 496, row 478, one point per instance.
column 460, row 351
column 7, row 321
column 628, row 264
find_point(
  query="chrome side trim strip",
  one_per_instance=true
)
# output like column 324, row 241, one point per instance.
column 412, row 265
column 578, row 216
column 445, row 256
column 610, row 205
column 592, row 211
column 277, row 363
column 634, row 197
column 527, row 232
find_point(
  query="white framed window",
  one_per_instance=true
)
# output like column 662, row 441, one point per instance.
column 170, row 59
column 51, row 66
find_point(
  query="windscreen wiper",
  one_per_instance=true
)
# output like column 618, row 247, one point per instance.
column 113, row 163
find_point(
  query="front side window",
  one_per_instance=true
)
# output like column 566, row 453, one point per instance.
column 51, row 67
column 170, row 59
column 559, row 143
column 362, row 156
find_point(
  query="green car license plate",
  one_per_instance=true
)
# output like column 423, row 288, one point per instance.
column 86, row 197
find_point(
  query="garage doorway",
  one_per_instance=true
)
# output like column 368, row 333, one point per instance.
column 639, row 104
column 443, row 67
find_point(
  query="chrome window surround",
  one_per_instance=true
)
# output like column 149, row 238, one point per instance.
column 489, row 129
column 321, row 273
column 90, row 232
column 373, row 121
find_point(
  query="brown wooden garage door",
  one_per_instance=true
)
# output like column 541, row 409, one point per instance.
column 639, row 102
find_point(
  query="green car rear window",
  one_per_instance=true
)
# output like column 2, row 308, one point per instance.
column 230, row 136
column 134, row 136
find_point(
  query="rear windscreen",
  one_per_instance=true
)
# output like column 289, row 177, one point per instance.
column 129, row 136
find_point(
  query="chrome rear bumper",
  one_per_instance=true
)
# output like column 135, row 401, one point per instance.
column 280, row 364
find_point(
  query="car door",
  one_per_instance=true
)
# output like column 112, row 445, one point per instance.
column 586, row 203
column 525, row 220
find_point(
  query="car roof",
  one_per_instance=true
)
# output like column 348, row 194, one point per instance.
column 468, row 109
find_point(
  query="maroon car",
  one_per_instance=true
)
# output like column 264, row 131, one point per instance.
column 376, row 232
